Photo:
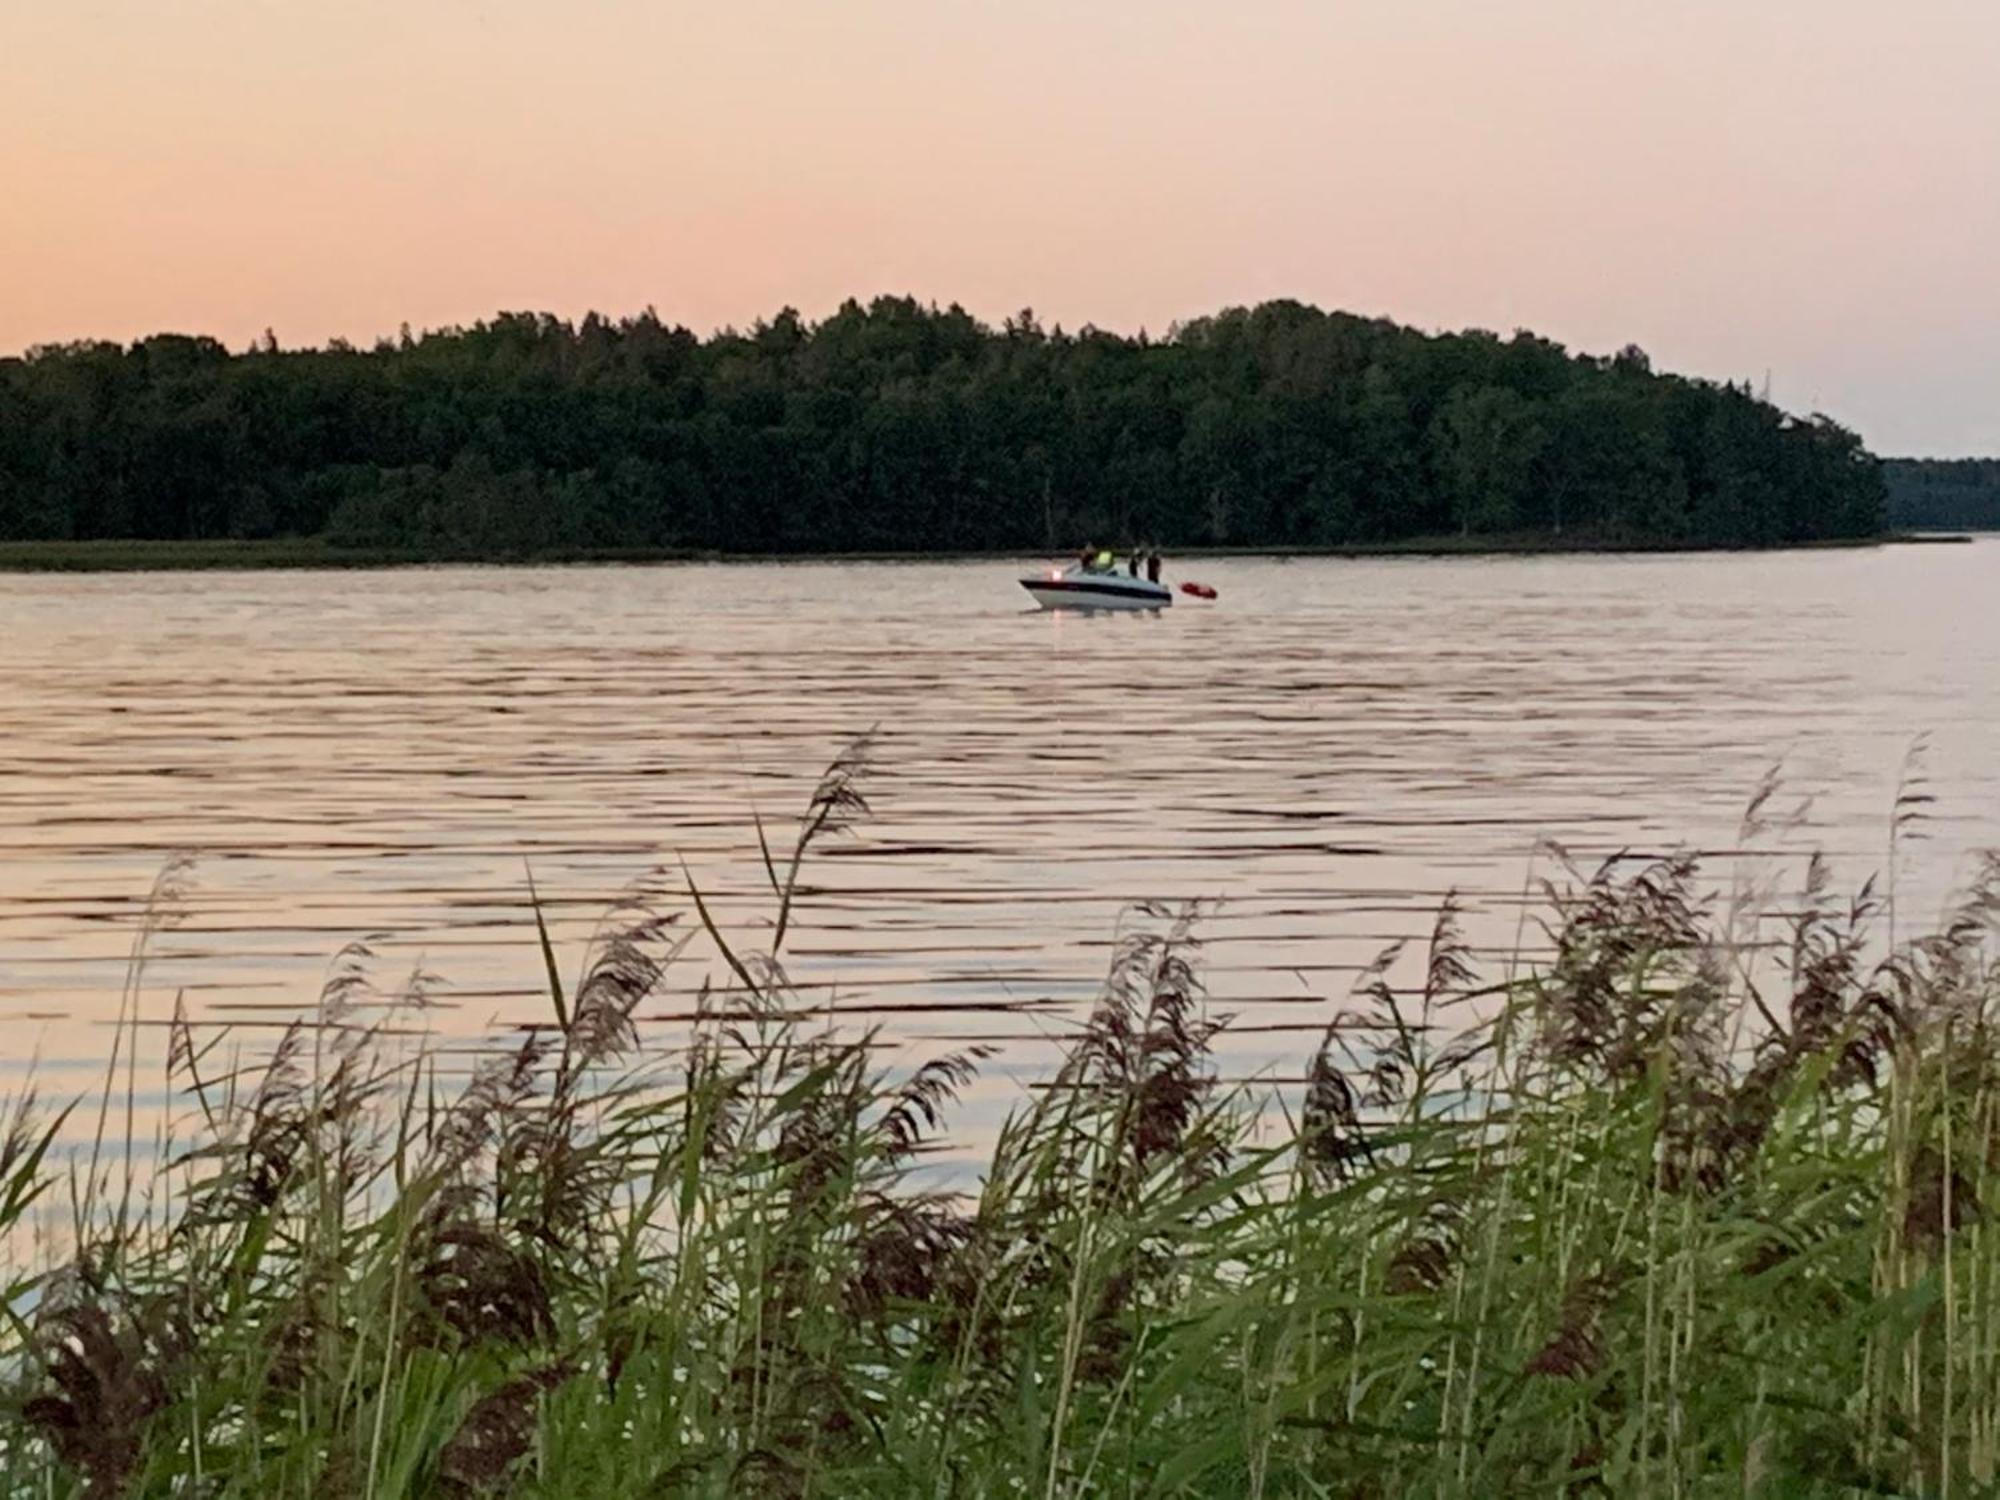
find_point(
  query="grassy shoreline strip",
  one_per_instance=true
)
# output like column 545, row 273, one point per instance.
column 313, row 553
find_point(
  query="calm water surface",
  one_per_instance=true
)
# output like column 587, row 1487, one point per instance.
column 1326, row 751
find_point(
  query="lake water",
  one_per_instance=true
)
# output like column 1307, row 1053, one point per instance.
column 1326, row 751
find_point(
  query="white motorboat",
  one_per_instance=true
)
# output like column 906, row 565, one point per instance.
column 1077, row 587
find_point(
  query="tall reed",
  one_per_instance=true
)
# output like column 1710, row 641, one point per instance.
column 1650, row 1218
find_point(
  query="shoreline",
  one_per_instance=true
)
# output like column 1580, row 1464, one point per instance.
column 313, row 554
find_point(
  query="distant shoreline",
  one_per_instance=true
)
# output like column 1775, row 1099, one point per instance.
column 313, row 554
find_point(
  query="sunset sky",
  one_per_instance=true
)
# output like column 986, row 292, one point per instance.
column 1808, row 187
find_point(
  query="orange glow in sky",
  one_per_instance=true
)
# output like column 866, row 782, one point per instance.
column 1805, row 187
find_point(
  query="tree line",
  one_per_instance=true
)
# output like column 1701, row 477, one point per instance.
column 1934, row 493
column 901, row 426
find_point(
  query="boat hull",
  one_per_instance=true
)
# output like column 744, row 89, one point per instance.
column 1106, row 591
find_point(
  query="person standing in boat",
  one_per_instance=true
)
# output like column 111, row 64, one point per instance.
column 1153, row 565
column 1087, row 559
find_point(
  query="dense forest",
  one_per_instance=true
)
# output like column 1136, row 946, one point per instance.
column 1934, row 493
column 899, row 426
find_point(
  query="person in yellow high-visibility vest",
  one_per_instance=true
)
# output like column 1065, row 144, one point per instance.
column 1107, row 561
